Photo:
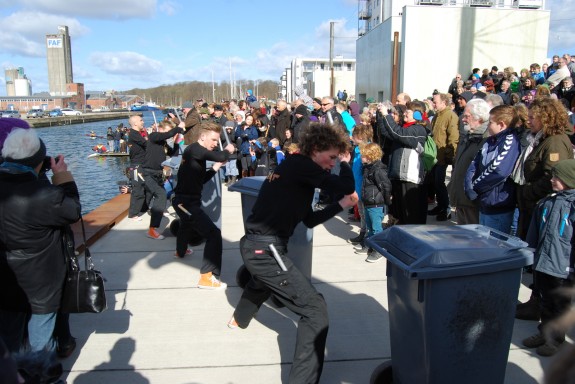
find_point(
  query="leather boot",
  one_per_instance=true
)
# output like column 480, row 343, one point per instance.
column 244, row 173
column 530, row 310
column 232, row 180
column 358, row 239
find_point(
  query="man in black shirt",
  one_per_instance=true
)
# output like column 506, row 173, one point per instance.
column 154, row 175
column 187, row 202
column 137, row 144
column 284, row 200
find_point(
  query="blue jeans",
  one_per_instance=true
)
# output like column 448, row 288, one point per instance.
column 40, row 329
column 439, row 173
column 373, row 219
column 499, row 221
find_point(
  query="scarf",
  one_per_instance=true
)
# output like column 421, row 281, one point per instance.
column 518, row 175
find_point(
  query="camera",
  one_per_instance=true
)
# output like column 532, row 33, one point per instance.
column 47, row 164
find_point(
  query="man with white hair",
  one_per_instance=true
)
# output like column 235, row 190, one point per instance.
column 35, row 215
column 475, row 118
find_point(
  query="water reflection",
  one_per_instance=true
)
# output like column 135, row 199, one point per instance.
column 97, row 178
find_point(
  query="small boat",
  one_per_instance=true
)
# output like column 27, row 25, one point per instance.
column 109, row 154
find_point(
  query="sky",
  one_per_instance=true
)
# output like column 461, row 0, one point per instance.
column 124, row 44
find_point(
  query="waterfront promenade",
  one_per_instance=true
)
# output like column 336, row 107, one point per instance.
column 160, row 328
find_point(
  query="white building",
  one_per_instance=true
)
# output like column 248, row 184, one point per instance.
column 439, row 38
column 314, row 75
column 17, row 84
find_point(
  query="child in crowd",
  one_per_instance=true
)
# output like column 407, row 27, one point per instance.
column 362, row 134
column 551, row 234
column 375, row 195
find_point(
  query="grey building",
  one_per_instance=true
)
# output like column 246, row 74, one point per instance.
column 59, row 56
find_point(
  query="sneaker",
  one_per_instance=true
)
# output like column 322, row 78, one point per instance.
column 135, row 218
column 358, row 247
column 548, row 349
column 374, row 257
column 154, row 234
column 435, row 211
column 232, row 324
column 209, row 281
column 189, row 252
column 534, row 341
column 363, row 251
column 443, row 216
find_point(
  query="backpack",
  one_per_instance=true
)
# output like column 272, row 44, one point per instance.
column 429, row 153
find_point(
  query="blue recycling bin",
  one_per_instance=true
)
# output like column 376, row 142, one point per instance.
column 452, row 292
column 300, row 245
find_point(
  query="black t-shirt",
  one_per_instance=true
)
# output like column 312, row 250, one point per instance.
column 192, row 173
column 155, row 150
column 286, row 196
column 137, row 146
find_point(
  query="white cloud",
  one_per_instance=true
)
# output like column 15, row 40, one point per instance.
column 170, row 8
column 102, row 9
column 24, row 33
column 132, row 64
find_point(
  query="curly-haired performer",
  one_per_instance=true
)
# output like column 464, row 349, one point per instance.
column 285, row 199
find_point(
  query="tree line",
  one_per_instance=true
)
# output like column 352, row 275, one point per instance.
column 176, row 94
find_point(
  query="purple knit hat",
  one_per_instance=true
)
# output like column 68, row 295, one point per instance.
column 7, row 125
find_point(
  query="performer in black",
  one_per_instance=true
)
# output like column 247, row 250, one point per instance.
column 285, row 199
column 187, row 202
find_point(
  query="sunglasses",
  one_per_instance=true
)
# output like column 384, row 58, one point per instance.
column 325, row 104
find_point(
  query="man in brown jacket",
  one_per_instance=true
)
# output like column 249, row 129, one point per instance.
column 192, row 119
column 445, row 129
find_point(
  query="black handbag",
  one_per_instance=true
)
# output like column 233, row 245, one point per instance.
column 83, row 289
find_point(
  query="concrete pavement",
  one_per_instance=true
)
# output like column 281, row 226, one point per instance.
column 160, row 328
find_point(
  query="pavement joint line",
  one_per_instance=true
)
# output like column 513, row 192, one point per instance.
column 326, row 361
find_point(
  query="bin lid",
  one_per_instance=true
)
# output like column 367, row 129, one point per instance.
column 433, row 251
column 248, row 185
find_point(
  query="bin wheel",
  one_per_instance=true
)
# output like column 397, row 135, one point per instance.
column 195, row 238
column 382, row 374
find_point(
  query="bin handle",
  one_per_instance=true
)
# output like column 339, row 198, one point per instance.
column 390, row 257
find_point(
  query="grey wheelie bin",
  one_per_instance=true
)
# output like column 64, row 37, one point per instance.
column 452, row 292
column 300, row 245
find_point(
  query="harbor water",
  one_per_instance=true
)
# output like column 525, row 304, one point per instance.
column 98, row 178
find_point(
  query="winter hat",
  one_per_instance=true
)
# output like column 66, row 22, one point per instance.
column 565, row 170
column 218, row 107
column 255, row 104
column 204, row 111
column 33, row 159
column 7, row 125
column 317, row 100
column 467, row 95
column 229, row 124
column 301, row 110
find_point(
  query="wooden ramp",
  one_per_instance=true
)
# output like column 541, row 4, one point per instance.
column 101, row 220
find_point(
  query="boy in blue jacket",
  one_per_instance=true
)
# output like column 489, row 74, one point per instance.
column 551, row 234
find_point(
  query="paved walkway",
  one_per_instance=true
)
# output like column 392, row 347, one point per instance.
column 160, row 328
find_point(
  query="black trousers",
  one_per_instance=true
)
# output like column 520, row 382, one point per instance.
column 409, row 204
column 154, row 182
column 138, row 201
column 554, row 301
column 199, row 221
column 296, row 293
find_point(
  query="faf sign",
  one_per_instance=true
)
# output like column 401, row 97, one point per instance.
column 54, row 43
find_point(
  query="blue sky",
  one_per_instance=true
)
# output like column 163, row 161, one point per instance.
column 124, row 44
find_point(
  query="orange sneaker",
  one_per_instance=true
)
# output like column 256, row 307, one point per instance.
column 232, row 324
column 189, row 252
column 154, row 234
column 209, row 281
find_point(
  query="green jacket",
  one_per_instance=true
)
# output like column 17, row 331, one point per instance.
column 537, row 167
column 445, row 128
